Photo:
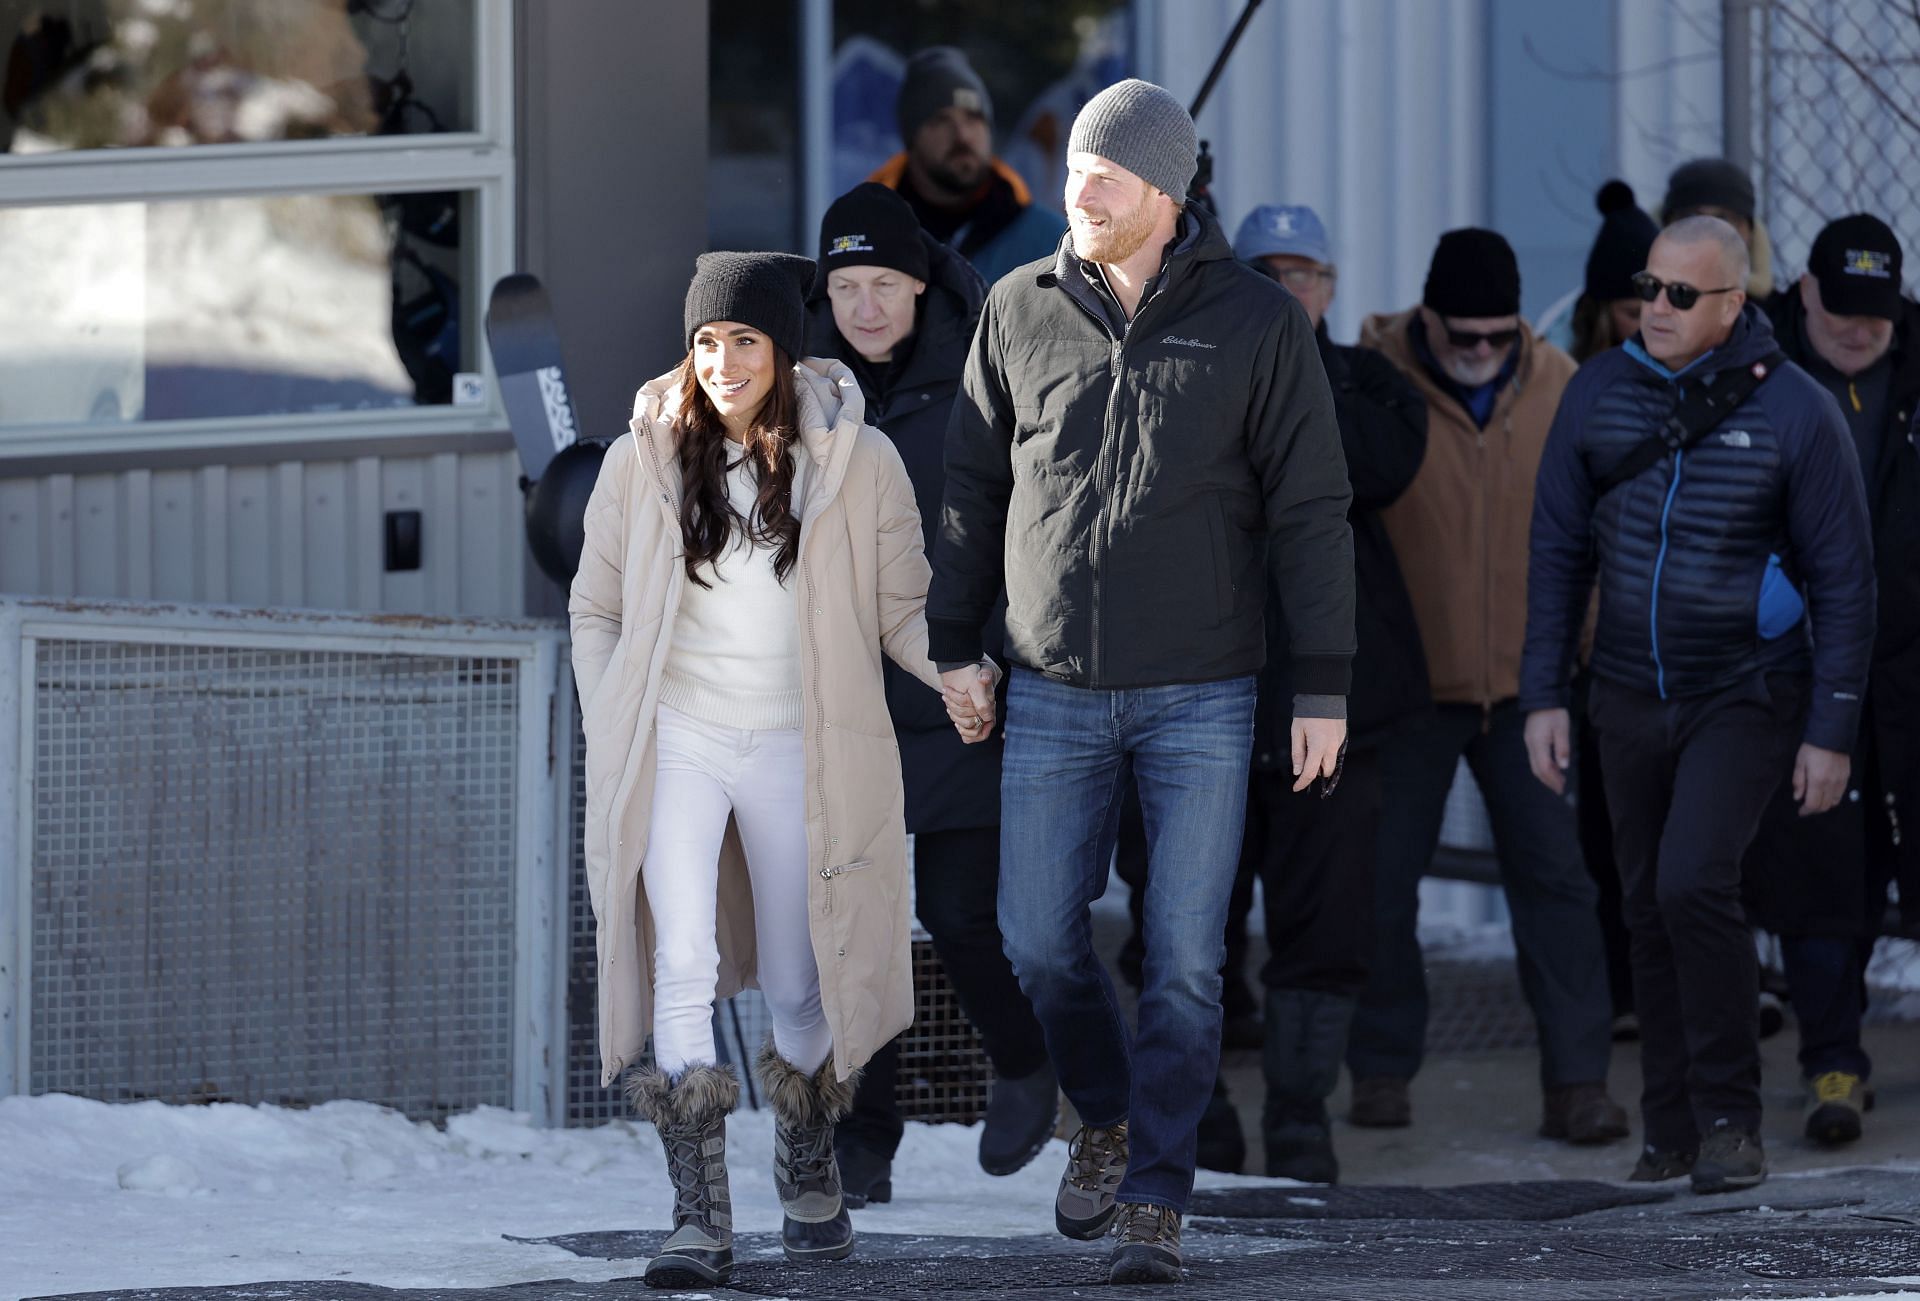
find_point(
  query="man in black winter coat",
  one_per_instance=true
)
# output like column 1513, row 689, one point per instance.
column 898, row 307
column 1314, row 853
column 1144, row 429
column 1712, row 544
column 1821, row 882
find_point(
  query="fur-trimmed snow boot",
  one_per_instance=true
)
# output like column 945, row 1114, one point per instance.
column 805, row 1173
column 690, row 1114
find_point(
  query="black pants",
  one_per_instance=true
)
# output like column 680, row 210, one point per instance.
column 1314, row 858
column 1596, row 847
column 956, row 878
column 1556, row 927
column 1687, row 782
column 1808, row 880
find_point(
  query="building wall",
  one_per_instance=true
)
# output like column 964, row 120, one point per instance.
column 610, row 208
column 1400, row 119
column 291, row 533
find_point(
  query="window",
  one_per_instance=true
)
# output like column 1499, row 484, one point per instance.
column 249, row 220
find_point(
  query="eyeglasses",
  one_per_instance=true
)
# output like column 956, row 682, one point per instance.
column 1682, row 297
column 1301, row 279
column 1467, row 340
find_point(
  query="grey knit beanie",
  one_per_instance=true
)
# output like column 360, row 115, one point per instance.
column 938, row 77
column 1144, row 129
column 765, row 290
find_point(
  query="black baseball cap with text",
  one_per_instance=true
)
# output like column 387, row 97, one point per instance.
column 1857, row 262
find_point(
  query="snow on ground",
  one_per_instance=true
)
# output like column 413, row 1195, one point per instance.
column 96, row 1196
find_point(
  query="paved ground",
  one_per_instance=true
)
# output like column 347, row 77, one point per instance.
column 1801, row 1236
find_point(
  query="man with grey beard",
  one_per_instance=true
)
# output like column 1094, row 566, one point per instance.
column 1144, row 440
column 1460, row 532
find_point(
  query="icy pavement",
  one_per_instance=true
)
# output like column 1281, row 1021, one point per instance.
column 350, row 1202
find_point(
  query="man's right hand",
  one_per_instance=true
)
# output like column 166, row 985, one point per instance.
column 1550, row 747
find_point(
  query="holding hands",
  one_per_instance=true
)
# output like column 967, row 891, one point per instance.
column 969, row 695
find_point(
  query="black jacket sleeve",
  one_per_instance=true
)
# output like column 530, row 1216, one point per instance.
column 969, row 555
column 1383, row 424
column 1832, row 548
column 1560, row 557
column 1293, row 439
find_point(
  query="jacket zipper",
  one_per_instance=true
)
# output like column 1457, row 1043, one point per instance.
column 834, row 870
column 1102, row 518
column 1659, row 564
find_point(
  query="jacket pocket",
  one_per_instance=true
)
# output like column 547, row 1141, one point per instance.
column 1781, row 607
column 1225, row 564
column 834, row 873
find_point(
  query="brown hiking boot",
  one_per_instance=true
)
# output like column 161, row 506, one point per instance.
column 1582, row 1114
column 1096, row 1162
column 1380, row 1102
column 1146, row 1246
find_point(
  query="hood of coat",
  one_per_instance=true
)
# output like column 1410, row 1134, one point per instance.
column 829, row 408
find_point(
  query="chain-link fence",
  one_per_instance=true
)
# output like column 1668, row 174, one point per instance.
column 1834, row 120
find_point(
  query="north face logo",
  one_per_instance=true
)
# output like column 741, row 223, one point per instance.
column 1736, row 438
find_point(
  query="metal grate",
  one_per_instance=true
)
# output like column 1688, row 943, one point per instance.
column 281, row 875
column 1832, row 121
column 944, row 1072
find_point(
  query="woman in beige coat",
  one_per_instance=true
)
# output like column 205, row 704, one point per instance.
column 752, row 548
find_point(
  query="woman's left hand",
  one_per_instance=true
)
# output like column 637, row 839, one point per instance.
column 969, row 696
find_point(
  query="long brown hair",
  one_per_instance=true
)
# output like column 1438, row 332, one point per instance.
column 707, row 518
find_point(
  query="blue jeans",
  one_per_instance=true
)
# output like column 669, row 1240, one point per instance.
column 1069, row 753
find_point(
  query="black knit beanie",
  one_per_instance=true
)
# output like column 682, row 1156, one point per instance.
column 1707, row 183
column 938, row 77
column 1620, row 249
column 765, row 290
column 1473, row 274
column 870, row 226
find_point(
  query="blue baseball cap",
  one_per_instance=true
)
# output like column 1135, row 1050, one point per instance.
column 1283, row 229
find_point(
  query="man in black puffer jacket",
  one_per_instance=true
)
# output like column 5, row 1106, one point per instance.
column 898, row 307
column 1314, row 854
column 1821, row 883
column 1144, row 427
column 1708, row 673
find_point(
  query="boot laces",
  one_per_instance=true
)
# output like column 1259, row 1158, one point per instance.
column 687, row 1168
column 1154, row 1226
column 808, row 1153
column 1094, row 1152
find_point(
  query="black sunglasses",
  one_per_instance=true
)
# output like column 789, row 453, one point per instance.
column 1683, row 297
column 1470, row 339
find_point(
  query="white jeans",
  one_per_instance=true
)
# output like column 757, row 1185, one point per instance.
column 706, row 772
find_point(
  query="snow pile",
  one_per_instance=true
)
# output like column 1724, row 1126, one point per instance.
column 94, row 1196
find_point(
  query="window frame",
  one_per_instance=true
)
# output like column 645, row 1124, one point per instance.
column 479, row 163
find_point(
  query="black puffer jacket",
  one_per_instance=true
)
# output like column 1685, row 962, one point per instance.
column 1383, row 430
column 949, row 785
column 1682, row 550
column 1890, row 734
column 1131, row 488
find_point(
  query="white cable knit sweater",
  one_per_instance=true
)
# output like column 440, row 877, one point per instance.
column 735, row 658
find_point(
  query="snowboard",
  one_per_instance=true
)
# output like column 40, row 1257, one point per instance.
column 533, row 379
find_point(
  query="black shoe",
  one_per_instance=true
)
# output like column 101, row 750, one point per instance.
column 1380, row 1102
column 805, row 1241
column 1655, row 1166
column 1146, row 1247
column 1730, row 1159
column 1835, row 1101
column 1222, row 1145
column 1021, row 1116
column 866, row 1177
column 1300, row 1146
